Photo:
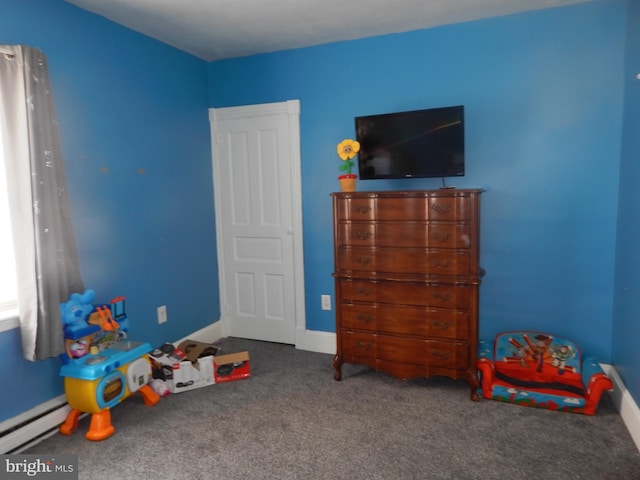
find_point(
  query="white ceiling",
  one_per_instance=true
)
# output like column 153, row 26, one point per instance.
column 217, row 29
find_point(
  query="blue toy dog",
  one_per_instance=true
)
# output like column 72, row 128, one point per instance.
column 75, row 311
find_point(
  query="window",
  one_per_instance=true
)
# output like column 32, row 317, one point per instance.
column 8, row 284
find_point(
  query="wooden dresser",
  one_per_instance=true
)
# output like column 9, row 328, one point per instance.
column 407, row 278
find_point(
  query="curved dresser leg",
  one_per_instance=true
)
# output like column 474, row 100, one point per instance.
column 474, row 383
column 337, row 365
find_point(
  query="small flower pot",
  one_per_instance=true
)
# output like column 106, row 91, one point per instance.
column 348, row 182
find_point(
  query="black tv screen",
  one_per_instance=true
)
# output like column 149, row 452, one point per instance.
column 414, row 144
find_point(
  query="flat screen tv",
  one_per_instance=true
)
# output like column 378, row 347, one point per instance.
column 414, row 144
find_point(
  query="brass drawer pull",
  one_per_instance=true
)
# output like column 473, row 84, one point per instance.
column 440, row 355
column 363, row 291
column 364, row 260
column 362, row 208
column 364, row 318
column 441, row 263
column 363, row 346
column 440, row 325
column 442, row 236
column 445, row 297
column 439, row 208
column 360, row 235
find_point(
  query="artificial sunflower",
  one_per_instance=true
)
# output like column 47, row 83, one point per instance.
column 347, row 149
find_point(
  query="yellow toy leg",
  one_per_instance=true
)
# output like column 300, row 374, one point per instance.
column 70, row 423
column 149, row 396
column 100, row 426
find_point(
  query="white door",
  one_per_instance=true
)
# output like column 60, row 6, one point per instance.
column 256, row 173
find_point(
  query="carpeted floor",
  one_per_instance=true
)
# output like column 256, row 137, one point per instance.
column 292, row 420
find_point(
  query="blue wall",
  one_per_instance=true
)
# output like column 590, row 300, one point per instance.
column 626, row 327
column 543, row 110
column 135, row 137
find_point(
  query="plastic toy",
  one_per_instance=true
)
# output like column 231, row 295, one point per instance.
column 75, row 311
column 101, row 367
column 79, row 349
column 537, row 369
column 160, row 387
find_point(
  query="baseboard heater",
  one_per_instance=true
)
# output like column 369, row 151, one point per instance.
column 31, row 427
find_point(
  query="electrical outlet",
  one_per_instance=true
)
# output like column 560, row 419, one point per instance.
column 326, row 302
column 162, row 314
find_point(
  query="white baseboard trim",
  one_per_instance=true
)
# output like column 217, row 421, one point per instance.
column 625, row 404
column 209, row 334
column 315, row 341
column 22, row 431
column 311, row 340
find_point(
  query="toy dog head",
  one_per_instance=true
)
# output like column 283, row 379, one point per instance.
column 75, row 311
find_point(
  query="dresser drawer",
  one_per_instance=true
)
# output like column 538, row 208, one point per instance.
column 401, row 349
column 415, row 321
column 404, row 234
column 455, row 296
column 355, row 208
column 449, row 208
column 451, row 355
column 405, row 261
column 397, row 349
column 357, row 344
column 454, row 355
column 432, row 207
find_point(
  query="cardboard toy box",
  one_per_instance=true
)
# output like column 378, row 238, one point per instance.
column 188, row 371
column 233, row 366
column 182, row 375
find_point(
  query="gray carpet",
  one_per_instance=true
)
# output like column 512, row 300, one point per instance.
column 292, row 420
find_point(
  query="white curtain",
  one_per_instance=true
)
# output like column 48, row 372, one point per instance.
column 46, row 255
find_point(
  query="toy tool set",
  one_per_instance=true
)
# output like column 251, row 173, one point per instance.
column 101, row 366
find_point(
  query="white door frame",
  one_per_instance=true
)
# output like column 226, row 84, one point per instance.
column 292, row 109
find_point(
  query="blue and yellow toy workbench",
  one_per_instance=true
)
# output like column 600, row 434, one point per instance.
column 101, row 366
